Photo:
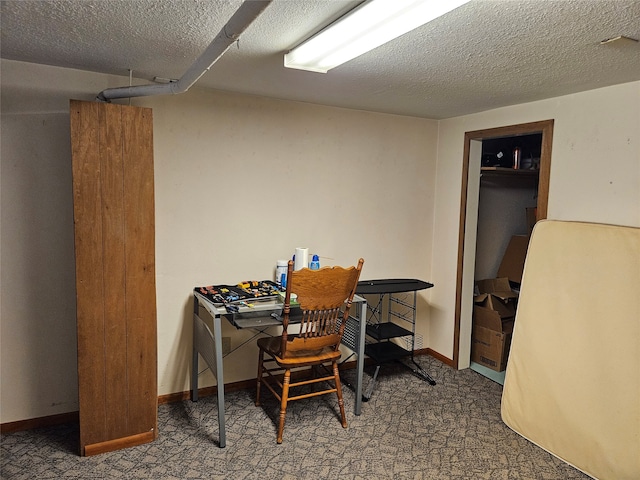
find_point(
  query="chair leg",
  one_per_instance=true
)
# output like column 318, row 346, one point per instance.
column 259, row 377
column 283, row 402
column 336, row 374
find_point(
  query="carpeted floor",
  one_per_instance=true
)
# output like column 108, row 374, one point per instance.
column 408, row 430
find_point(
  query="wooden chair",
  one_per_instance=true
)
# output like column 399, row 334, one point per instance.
column 324, row 297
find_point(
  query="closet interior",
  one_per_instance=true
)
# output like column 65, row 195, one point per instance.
column 509, row 178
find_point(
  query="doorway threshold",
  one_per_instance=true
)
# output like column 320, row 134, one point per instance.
column 497, row 377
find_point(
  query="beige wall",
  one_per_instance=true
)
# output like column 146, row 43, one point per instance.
column 240, row 181
column 595, row 177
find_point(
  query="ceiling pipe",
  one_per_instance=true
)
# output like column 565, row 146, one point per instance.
column 230, row 33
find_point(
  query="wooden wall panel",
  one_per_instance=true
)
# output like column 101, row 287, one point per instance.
column 112, row 161
column 140, row 264
column 113, row 249
column 89, row 287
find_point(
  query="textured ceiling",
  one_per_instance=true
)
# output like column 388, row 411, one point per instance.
column 483, row 55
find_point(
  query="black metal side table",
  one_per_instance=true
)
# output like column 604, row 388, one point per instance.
column 398, row 323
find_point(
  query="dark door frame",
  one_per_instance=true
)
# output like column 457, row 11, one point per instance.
column 546, row 128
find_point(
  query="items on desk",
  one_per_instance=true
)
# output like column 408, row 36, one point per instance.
column 241, row 293
column 281, row 273
column 301, row 258
column 293, row 300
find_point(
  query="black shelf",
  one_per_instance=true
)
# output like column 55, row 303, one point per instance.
column 520, row 172
column 498, row 152
column 400, row 309
column 384, row 352
column 391, row 285
column 387, row 330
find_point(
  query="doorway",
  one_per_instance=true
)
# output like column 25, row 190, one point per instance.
column 471, row 167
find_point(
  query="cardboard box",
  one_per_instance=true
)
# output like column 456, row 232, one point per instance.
column 499, row 287
column 512, row 263
column 493, row 319
column 496, row 294
column 504, row 307
column 491, row 338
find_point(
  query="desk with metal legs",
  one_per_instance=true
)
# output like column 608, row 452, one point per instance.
column 208, row 344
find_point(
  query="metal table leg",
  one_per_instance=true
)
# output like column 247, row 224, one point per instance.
column 362, row 319
column 209, row 346
column 194, row 354
column 217, row 334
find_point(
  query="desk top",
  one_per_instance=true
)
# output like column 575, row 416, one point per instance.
column 249, row 291
column 258, row 314
column 391, row 285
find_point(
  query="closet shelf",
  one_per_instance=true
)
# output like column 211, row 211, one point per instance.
column 508, row 171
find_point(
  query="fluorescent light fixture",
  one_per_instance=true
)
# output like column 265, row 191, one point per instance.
column 364, row 28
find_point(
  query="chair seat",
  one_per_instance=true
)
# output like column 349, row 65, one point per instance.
column 272, row 346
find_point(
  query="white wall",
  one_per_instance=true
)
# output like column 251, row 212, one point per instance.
column 501, row 214
column 362, row 184
column 240, row 181
column 595, row 177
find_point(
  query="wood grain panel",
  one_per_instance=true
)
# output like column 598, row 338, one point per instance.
column 545, row 170
column 119, row 443
column 87, row 204
column 112, row 156
column 140, row 266
column 113, row 250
